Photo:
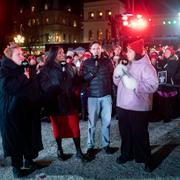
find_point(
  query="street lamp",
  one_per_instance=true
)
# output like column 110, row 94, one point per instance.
column 19, row 39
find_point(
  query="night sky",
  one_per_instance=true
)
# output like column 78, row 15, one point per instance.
column 148, row 7
column 155, row 6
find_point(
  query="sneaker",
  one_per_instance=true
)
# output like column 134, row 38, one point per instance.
column 18, row 172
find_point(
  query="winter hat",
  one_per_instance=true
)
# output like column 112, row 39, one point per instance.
column 137, row 46
column 70, row 53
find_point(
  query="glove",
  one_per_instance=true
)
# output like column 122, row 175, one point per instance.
column 120, row 70
column 129, row 82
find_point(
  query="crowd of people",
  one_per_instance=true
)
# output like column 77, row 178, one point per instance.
column 134, row 84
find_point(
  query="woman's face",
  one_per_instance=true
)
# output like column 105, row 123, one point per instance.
column 17, row 56
column 130, row 54
column 60, row 55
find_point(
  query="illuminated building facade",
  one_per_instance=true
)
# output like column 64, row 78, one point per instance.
column 97, row 14
column 46, row 22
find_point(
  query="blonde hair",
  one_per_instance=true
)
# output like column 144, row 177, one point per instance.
column 9, row 49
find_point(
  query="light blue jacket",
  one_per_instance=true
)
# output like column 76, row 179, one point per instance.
column 141, row 98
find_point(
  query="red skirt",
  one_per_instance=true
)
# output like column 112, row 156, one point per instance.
column 65, row 126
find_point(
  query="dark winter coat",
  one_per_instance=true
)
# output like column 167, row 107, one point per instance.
column 19, row 111
column 171, row 65
column 58, row 88
column 98, row 77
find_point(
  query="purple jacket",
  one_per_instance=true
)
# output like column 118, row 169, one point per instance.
column 139, row 99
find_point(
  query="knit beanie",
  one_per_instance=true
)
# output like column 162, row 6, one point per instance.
column 137, row 46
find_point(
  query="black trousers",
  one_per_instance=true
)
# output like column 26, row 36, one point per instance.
column 133, row 127
column 17, row 160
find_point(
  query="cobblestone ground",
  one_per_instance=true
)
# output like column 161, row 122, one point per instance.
column 165, row 144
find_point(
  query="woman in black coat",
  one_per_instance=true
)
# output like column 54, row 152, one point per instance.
column 57, row 80
column 167, row 95
column 19, row 111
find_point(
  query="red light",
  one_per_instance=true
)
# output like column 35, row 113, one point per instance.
column 124, row 18
column 125, row 23
column 139, row 16
column 135, row 22
column 138, row 24
column 149, row 19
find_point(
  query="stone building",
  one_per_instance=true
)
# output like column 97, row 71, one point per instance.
column 97, row 16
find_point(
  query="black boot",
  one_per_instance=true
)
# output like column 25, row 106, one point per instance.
column 79, row 154
column 18, row 172
column 60, row 153
column 148, row 165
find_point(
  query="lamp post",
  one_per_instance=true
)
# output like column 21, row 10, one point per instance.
column 19, row 39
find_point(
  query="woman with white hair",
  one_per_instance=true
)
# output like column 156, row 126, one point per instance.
column 19, row 111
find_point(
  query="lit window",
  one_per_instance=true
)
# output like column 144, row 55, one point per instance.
column 90, row 35
column 74, row 23
column 99, row 35
column 21, row 10
column 33, row 21
column 57, row 37
column 64, row 21
column 29, row 23
column 100, row 14
column 32, row 9
column 108, row 34
column 46, row 7
column 91, row 15
column 37, row 21
column 108, row 13
column 47, row 20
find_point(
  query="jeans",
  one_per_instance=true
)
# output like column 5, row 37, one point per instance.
column 99, row 107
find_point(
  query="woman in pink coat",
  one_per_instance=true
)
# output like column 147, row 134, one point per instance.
column 136, row 84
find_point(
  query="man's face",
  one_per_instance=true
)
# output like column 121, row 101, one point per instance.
column 17, row 56
column 96, row 49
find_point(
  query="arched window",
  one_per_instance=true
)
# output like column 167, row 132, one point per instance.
column 108, row 34
column 99, row 35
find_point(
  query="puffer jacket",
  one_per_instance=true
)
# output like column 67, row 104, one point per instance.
column 99, row 77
